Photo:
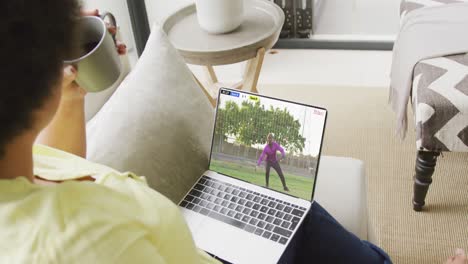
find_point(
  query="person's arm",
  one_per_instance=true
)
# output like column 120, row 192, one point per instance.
column 260, row 159
column 67, row 129
column 283, row 154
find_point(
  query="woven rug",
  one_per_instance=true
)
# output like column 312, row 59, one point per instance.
column 361, row 125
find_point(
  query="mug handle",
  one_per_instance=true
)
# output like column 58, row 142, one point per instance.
column 112, row 20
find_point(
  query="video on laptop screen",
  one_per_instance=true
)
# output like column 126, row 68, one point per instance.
column 268, row 142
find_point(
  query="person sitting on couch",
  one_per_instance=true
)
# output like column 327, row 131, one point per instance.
column 57, row 207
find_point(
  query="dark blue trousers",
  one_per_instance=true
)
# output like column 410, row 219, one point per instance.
column 321, row 239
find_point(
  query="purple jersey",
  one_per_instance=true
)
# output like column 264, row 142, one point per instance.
column 270, row 152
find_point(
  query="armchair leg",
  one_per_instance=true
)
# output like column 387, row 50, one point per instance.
column 425, row 166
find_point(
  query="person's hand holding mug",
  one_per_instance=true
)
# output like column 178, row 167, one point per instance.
column 92, row 70
column 120, row 46
column 70, row 89
column 96, row 64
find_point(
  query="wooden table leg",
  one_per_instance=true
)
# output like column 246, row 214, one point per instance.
column 252, row 71
column 206, row 92
column 238, row 85
column 211, row 75
column 251, row 75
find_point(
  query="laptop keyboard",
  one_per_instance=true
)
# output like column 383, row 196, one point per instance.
column 253, row 212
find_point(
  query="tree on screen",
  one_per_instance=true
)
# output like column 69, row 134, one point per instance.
column 250, row 123
column 227, row 120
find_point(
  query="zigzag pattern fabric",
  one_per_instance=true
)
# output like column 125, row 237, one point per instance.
column 440, row 95
column 440, row 103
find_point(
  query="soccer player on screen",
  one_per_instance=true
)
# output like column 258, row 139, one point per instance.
column 269, row 151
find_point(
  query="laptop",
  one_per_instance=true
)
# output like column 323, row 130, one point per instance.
column 261, row 178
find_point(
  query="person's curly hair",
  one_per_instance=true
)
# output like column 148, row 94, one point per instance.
column 36, row 37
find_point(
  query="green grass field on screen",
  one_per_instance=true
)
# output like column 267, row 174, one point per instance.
column 299, row 186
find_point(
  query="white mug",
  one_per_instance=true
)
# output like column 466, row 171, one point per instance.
column 98, row 62
column 220, row 16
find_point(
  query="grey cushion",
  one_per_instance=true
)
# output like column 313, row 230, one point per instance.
column 157, row 124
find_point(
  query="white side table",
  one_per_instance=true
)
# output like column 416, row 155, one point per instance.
column 258, row 33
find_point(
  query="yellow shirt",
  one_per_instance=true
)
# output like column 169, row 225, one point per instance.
column 117, row 219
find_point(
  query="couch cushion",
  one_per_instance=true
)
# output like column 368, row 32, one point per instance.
column 157, row 124
column 341, row 190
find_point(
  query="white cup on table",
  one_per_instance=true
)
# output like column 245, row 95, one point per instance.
column 220, row 16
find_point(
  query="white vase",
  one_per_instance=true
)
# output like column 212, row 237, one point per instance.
column 220, row 16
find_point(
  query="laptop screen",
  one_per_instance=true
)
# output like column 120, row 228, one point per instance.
column 268, row 142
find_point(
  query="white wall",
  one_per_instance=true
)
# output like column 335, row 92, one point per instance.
column 362, row 17
column 159, row 9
